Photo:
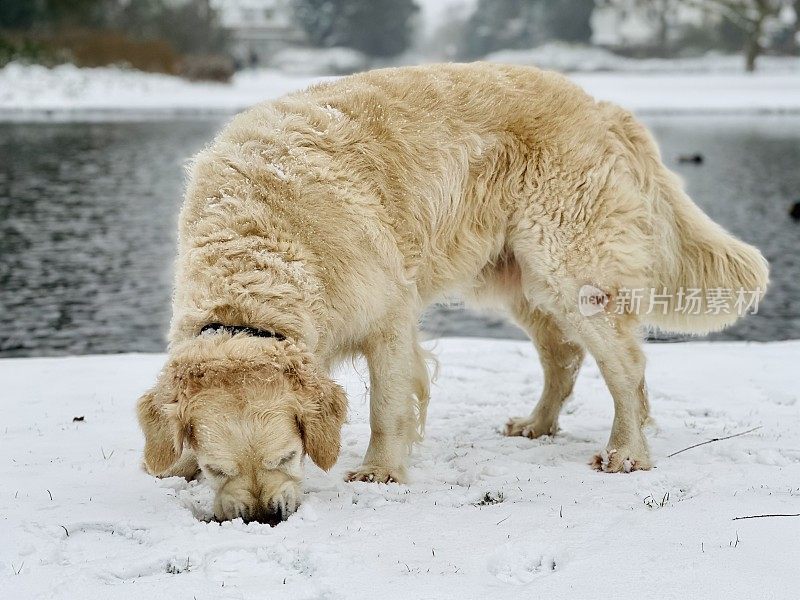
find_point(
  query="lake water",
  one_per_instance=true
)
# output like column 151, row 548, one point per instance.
column 88, row 213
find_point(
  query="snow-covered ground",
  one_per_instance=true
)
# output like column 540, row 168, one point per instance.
column 67, row 92
column 757, row 93
column 485, row 517
column 563, row 56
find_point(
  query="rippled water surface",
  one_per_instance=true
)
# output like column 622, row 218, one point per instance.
column 88, row 213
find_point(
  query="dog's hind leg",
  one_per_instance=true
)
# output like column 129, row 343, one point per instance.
column 615, row 345
column 614, row 342
column 561, row 360
column 398, row 398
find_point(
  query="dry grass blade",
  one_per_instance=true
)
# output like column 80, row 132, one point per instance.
column 766, row 516
column 719, row 439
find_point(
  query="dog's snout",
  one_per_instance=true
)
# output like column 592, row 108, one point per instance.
column 256, row 504
column 268, row 515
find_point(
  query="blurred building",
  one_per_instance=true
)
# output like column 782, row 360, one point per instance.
column 258, row 28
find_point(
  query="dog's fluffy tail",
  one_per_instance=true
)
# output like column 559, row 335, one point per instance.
column 703, row 278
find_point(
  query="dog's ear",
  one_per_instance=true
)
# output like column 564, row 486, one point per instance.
column 321, row 418
column 164, row 437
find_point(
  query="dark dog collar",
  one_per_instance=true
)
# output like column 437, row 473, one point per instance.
column 234, row 329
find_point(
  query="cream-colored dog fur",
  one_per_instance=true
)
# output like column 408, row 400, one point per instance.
column 335, row 215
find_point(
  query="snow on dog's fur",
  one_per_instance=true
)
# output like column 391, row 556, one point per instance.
column 333, row 216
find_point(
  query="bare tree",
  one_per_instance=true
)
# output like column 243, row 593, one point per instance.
column 751, row 16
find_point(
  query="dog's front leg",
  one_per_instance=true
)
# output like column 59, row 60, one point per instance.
column 392, row 417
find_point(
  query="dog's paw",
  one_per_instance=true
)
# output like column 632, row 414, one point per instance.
column 529, row 427
column 375, row 474
column 620, row 460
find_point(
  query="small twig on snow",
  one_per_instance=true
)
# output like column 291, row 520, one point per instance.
column 766, row 516
column 719, row 439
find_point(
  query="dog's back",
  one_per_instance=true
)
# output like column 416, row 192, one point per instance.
column 449, row 151
column 424, row 176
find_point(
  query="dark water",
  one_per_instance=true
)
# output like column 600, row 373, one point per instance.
column 88, row 213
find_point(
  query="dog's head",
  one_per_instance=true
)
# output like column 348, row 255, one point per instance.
column 249, row 410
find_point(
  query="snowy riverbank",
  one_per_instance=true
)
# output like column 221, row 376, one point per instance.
column 66, row 92
column 485, row 516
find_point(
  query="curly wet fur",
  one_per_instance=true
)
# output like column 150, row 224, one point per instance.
column 336, row 214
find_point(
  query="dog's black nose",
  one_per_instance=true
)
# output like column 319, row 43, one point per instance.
column 267, row 515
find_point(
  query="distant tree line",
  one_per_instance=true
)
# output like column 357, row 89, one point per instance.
column 386, row 27
column 26, row 14
column 171, row 36
column 519, row 24
column 189, row 25
column 160, row 34
column 752, row 27
column 378, row 28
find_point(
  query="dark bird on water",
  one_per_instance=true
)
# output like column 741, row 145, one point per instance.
column 794, row 211
column 695, row 159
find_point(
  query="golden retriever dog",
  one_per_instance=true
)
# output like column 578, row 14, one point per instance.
column 320, row 225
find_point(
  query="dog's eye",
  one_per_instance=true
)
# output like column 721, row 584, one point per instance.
column 288, row 458
column 215, row 472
